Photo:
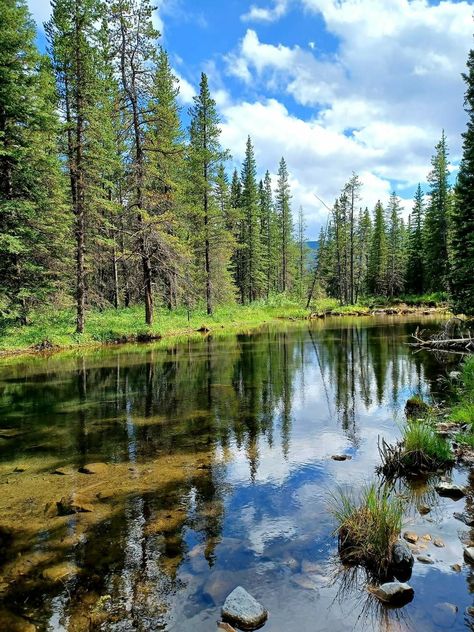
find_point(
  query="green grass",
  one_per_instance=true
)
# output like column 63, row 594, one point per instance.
column 466, row 439
column 463, row 411
column 367, row 526
column 56, row 326
column 420, row 451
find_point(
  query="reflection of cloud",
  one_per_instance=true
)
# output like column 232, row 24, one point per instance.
column 267, row 529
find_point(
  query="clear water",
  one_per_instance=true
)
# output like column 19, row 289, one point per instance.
column 215, row 471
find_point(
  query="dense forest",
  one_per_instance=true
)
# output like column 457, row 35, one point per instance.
column 111, row 195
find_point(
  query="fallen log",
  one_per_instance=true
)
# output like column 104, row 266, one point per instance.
column 463, row 343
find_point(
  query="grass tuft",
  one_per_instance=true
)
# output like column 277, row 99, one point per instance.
column 368, row 526
column 421, row 451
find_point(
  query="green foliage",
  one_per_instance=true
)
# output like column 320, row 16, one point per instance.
column 462, row 234
column 378, row 258
column 367, row 526
column 415, row 263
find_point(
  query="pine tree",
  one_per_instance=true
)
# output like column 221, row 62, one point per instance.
column 164, row 173
column 395, row 248
column 462, row 237
column 415, row 262
column 204, row 157
column 32, row 211
column 253, row 276
column 363, row 240
column 236, row 227
column 302, row 253
column 269, row 231
column 285, row 223
column 377, row 268
column 436, row 222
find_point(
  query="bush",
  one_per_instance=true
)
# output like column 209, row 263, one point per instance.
column 368, row 527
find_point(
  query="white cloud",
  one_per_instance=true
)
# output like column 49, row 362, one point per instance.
column 261, row 14
column 380, row 101
column 186, row 89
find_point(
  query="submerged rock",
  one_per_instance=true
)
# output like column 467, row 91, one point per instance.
column 457, row 568
column 60, row 572
column 14, row 623
column 341, row 457
column 444, row 614
column 410, row 536
column 69, row 505
column 425, row 559
column 244, row 610
column 424, row 509
column 222, row 625
column 93, row 468
column 439, row 543
column 450, row 490
column 393, row 593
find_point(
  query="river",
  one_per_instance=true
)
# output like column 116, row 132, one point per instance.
column 211, row 467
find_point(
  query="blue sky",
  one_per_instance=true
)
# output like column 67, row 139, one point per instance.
column 333, row 85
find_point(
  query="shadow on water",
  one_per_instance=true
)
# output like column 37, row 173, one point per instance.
column 213, row 468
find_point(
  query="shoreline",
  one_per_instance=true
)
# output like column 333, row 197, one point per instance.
column 47, row 348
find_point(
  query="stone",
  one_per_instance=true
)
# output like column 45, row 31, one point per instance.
column 62, row 471
column 424, row 509
column 93, row 468
column 402, row 560
column 73, row 504
column 243, row 610
column 470, row 611
column 469, row 554
column 450, row 490
column 341, row 457
column 444, row 614
column 393, row 593
column 439, row 543
column 464, row 517
column 411, row 537
column 222, row 625
column 425, row 559
column 455, row 375
column 426, row 537
column 457, row 568
column 416, row 406
column 60, row 573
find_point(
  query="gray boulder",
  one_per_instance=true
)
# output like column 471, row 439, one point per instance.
column 393, row 593
column 402, row 560
column 243, row 610
column 450, row 490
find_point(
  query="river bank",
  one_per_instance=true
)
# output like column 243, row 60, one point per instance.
column 54, row 330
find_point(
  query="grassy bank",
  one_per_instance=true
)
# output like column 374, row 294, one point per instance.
column 50, row 329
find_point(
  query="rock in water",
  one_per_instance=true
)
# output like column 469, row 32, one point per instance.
column 410, row 536
column 393, row 593
column 450, row 490
column 243, row 610
column 469, row 554
column 402, row 560
column 464, row 517
column 341, row 457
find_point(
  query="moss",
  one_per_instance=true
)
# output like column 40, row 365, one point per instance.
column 416, row 406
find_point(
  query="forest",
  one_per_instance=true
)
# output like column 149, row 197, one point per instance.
column 111, row 196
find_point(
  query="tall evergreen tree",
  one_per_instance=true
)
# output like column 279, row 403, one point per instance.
column 462, row 237
column 436, row 222
column 32, row 210
column 253, row 277
column 204, row 157
column 269, row 229
column 415, row 262
column 75, row 44
column 377, row 269
column 395, row 248
column 285, row 223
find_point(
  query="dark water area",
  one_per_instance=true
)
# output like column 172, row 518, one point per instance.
column 213, row 469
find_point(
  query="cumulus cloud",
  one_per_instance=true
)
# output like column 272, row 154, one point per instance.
column 266, row 14
column 380, row 100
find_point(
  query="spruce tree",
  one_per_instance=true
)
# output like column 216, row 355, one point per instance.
column 269, row 231
column 436, row 222
column 253, row 276
column 32, row 212
column 415, row 262
column 462, row 237
column 204, row 158
column 395, row 248
column 377, row 268
column 285, row 224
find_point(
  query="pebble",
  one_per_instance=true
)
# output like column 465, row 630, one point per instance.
column 410, row 536
column 425, row 559
column 439, row 543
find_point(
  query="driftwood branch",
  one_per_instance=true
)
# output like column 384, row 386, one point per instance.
column 446, row 340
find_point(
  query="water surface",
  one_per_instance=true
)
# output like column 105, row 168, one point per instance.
column 215, row 471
